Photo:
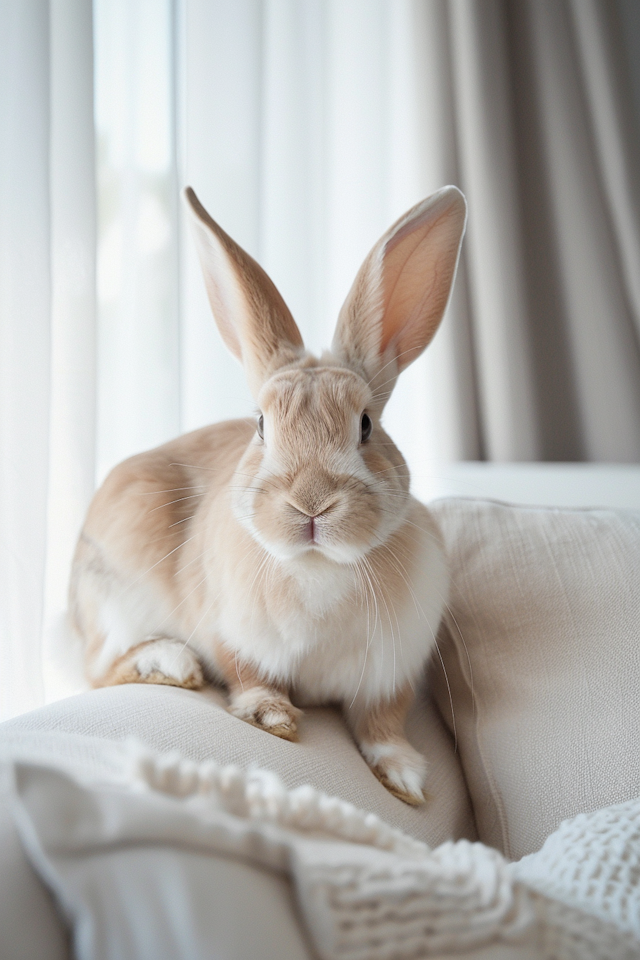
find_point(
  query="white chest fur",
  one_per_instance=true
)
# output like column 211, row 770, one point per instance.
column 346, row 634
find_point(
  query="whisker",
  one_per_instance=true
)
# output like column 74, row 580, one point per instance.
column 184, row 520
column 153, row 566
column 383, row 598
column 444, row 669
column 199, row 556
column 207, row 609
column 387, row 364
column 467, row 654
column 405, row 520
column 356, row 570
column 253, row 477
column 248, row 489
column 400, row 469
column 194, row 466
column 446, row 678
column 449, row 613
column 191, row 486
column 235, row 657
column 178, row 605
column 370, row 635
column 393, row 639
column 193, row 496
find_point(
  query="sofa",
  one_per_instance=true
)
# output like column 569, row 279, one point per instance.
column 529, row 717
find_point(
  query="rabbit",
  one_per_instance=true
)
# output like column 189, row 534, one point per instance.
column 283, row 555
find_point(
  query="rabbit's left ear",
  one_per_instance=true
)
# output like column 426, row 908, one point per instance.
column 401, row 291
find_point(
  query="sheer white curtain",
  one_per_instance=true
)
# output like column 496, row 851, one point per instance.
column 47, row 322
column 139, row 349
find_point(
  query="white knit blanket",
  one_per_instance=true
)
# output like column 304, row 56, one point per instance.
column 366, row 891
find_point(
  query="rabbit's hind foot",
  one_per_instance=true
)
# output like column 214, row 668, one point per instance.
column 267, row 709
column 399, row 768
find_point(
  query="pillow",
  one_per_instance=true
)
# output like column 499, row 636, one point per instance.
column 29, row 923
column 124, row 855
column 542, row 656
column 198, row 726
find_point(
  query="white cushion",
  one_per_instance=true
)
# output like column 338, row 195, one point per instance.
column 30, row 926
column 543, row 661
column 198, row 726
column 138, row 866
column 137, row 859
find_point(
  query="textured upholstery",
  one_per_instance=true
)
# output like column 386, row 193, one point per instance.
column 543, row 661
column 198, row 726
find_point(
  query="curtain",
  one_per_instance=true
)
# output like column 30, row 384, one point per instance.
column 47, row 324
column 546, row 112
column 306, row 127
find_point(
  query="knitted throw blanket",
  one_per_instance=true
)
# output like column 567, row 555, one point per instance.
column 366, row 891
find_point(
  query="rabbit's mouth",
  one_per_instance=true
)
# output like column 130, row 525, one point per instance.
column 314, row 531
column 342, row 530
column 311, row 529
column 314, row 525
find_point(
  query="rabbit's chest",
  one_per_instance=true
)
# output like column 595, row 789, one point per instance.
column 370, row 655
column 279, row 636
column 338, row 640
column 346, row 649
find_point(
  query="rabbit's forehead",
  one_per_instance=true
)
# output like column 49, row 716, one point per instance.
column 319, row 391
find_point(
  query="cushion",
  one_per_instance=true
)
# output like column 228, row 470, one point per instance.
column 29, row 924
column 160, row 858
column 137, row 862
column 542, row 655
column 80, row 731
column 198, row 726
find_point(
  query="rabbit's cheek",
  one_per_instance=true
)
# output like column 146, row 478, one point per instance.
column 356, row 523
column 389, row 465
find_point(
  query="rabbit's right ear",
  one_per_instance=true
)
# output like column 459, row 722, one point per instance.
column 252, row 317
column 401, row 291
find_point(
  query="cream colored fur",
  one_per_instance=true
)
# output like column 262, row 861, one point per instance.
column 294, row 564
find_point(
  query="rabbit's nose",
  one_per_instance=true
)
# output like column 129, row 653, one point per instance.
column 313, row 491
column 314, row 511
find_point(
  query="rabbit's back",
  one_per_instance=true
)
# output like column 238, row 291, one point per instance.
column 129, row 561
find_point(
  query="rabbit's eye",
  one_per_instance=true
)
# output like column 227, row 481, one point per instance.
column 260, row 427
column 365, row 428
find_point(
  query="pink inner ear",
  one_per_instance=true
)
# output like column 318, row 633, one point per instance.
column 417, row 270
column 398, row 291
column 221, row 315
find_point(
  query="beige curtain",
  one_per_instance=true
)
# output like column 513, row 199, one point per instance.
column 541, row 131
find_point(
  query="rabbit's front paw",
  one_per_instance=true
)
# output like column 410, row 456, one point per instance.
column 398, row 767
column 267, row 709
column 159, row 660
